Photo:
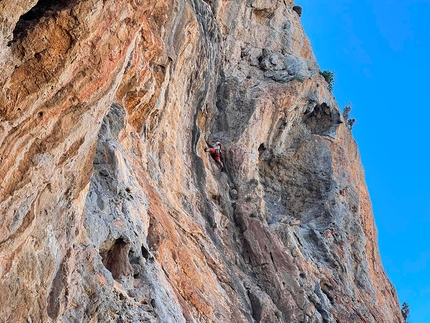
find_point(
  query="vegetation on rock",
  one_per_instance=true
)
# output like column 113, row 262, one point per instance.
column 329, row 78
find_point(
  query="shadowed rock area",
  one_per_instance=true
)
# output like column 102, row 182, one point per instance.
column 112, row 211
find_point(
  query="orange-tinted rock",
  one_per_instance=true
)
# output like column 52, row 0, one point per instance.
column 112, row 210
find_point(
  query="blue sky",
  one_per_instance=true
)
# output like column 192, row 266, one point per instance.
column 380, row 53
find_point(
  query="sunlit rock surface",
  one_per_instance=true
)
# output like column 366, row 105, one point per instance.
column 111, row 211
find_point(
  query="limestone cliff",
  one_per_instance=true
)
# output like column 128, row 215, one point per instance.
column 111, row 210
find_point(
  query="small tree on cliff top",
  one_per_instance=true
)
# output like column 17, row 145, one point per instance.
column 405, row 311
column 346, row 111
column 329, row 78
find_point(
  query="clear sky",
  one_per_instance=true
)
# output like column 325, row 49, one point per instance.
column 379, row 51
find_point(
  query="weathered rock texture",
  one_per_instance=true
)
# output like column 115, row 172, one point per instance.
column 111, row 211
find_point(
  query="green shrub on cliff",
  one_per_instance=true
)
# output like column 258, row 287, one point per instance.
column 329, row 78
column 346, row 111
column 405, row 311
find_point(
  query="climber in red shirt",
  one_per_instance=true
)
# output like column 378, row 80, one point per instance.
column 216, row 154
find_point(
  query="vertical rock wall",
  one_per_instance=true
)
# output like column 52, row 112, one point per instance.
column 111, row 211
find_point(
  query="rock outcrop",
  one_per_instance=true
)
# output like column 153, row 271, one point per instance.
column 111, row 211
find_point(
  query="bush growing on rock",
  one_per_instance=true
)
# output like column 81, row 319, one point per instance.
column 329, row 78
column 346, row 110
column 405, row 311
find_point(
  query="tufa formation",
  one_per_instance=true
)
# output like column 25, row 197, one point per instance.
column 112, row 211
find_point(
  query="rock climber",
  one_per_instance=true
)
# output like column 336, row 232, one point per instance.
column 216, row 154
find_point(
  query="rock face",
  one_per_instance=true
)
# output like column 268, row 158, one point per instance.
column 111, row 211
